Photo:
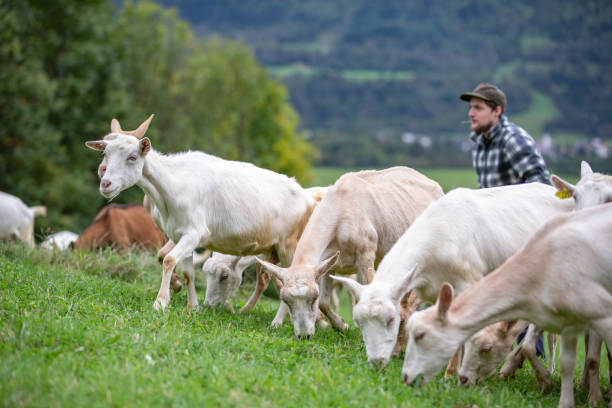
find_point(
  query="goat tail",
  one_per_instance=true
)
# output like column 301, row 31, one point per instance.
column 39, row 210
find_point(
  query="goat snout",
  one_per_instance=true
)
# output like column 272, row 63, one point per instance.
column 301, row 336
column 414, row 382
column 464, row 381
column 378, row 362
column 105, row 184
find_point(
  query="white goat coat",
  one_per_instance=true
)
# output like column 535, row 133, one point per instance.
column 468, row 233
column 459, row 238
column 60, row 240
column 561, row 281
column 235, row 207
column 16, row 219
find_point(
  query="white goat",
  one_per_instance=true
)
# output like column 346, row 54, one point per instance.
column 483, row 352
column 205, row 201
column 561, row 280
column 459, row 238
column 60, row 240
column 592, row 189
column 17, row 219
column 224, row 273
column 486, row 349
column 223, row 276
column 356, row 223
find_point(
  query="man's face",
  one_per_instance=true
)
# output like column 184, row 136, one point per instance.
column 482, row 117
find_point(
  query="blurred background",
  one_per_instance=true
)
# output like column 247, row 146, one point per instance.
column 307, row 88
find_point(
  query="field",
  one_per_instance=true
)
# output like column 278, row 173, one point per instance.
column 447, row 178
column 78, row 329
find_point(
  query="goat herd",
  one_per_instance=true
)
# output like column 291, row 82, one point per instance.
column 495, row 261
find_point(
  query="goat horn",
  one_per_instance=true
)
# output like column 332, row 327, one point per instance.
column 142, row 129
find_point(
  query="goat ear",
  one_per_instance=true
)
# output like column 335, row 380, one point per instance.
column 115, row 126
column 142, row 129
column 96, row 144
column 585, row 169
column 561, row 184
column 326, row 265
column 405, row 285
column 144, row 146
column 272, row 269
column 445, row 298
column 351, row 285
column 506, row 328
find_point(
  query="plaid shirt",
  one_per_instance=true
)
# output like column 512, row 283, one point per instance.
column 507, row 156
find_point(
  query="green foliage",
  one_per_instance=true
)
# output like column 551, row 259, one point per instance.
column 72, row 336
column 70, row 66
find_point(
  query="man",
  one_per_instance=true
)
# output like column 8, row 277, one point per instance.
column 503, row 153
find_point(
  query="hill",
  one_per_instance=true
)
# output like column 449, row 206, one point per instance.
column 362, row 65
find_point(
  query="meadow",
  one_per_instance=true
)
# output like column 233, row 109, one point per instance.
column 446, row 177
column 78, row 329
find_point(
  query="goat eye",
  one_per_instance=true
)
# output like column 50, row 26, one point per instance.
column 131, row 159
column 418, row 336
column 485, row 348
column 389, row 321
column 223, row 277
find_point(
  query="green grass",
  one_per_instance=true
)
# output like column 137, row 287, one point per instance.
column 287, row 71
column 541, row 112
column 447, row 178
column 365, row 75
column 356, row 75
column 71, row 335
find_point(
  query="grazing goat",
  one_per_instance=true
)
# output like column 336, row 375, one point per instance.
column 224, row 273
column 17, row 219
column 60, row 240
column 459, row 238
column 485, row 350
column 592, row 189
column 561, row 281
column 223, row 276
column 352, row 228
column 205, row 201
column 121, row 225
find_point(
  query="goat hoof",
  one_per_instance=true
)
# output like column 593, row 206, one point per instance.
column 276, row 324
column 159, row 305
column 344, row 327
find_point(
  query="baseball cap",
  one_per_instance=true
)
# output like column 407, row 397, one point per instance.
column 487, row 92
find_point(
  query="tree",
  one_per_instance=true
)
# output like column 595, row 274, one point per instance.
column 70, row 66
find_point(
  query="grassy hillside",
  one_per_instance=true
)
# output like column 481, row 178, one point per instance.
column 71, row 335
column 355, row 66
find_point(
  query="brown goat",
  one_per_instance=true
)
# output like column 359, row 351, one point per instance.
column 124, row 226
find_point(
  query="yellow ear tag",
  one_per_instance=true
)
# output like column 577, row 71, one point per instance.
column 563, row 194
